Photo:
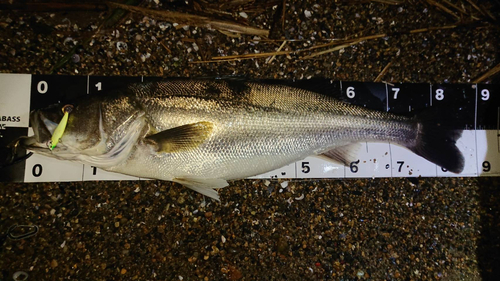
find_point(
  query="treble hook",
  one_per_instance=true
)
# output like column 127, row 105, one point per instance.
column 10, row 157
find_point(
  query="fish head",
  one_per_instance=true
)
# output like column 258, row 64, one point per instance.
column 96, row 127
column 81, row 132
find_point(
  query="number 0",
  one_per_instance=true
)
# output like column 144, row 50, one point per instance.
column 42, row 87
column 37, row 170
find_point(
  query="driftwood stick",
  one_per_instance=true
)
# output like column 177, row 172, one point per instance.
column 195, row 20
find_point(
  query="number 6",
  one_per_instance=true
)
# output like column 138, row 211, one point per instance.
column 350, row 92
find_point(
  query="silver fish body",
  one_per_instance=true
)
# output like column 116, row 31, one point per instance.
column 202, row 133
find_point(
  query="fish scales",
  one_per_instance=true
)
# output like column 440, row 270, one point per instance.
column 262, row 126
column 202, row 133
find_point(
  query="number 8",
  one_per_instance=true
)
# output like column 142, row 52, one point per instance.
column 439, row 94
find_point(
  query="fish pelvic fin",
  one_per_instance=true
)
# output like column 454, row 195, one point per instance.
column 182, row 138
column 342, row 155
column 206, row 187
column 436, row 142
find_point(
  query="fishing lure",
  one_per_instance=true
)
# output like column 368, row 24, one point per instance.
column 59, row 131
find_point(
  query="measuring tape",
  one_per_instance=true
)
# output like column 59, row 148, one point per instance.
column 479, row 118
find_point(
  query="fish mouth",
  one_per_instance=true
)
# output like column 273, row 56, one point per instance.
column 43, row 128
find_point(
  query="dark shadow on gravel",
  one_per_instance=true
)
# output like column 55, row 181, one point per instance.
column 488, row 250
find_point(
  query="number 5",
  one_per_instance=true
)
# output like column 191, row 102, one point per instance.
column 305, row 167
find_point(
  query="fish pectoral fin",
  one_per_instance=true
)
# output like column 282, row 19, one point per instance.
column 206, row 187
column 344, row 155
column 182, row 138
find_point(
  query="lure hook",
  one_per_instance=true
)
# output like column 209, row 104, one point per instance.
column 10, row 156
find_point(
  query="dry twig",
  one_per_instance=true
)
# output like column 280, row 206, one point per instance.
column 279, row 49
column 488, row 74
column 195, row 20
column 283, row 13
column 383, row 72
column 442, row 8
column 253, row 56
column 482, row 11
column 339, row 44
column 336, row 48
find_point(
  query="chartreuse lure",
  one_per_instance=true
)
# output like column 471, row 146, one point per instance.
column 59, row 131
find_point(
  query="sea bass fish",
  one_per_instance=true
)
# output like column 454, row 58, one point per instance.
column 202, row 133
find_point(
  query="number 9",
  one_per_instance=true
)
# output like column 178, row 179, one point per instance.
column 485, row 94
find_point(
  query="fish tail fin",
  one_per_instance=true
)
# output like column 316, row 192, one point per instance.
column 436, row 141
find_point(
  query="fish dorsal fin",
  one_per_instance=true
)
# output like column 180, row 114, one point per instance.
column 343, row 155
column 182, row 138
column 206, row 187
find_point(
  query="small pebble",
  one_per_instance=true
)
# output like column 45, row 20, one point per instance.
column 75, row 58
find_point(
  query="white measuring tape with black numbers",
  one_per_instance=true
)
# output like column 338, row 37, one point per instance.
column 480, row 119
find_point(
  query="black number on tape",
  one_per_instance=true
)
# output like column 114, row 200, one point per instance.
column 400, row 165
column 486, row 166
column 354, row 167
column 37, row 170
column 305, row 167
column 94, row 170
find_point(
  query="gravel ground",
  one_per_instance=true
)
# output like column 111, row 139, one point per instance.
column 364, row 229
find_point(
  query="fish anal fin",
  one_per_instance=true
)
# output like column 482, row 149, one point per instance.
column 206, row 187
column 343, row 155
column 182, row 138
